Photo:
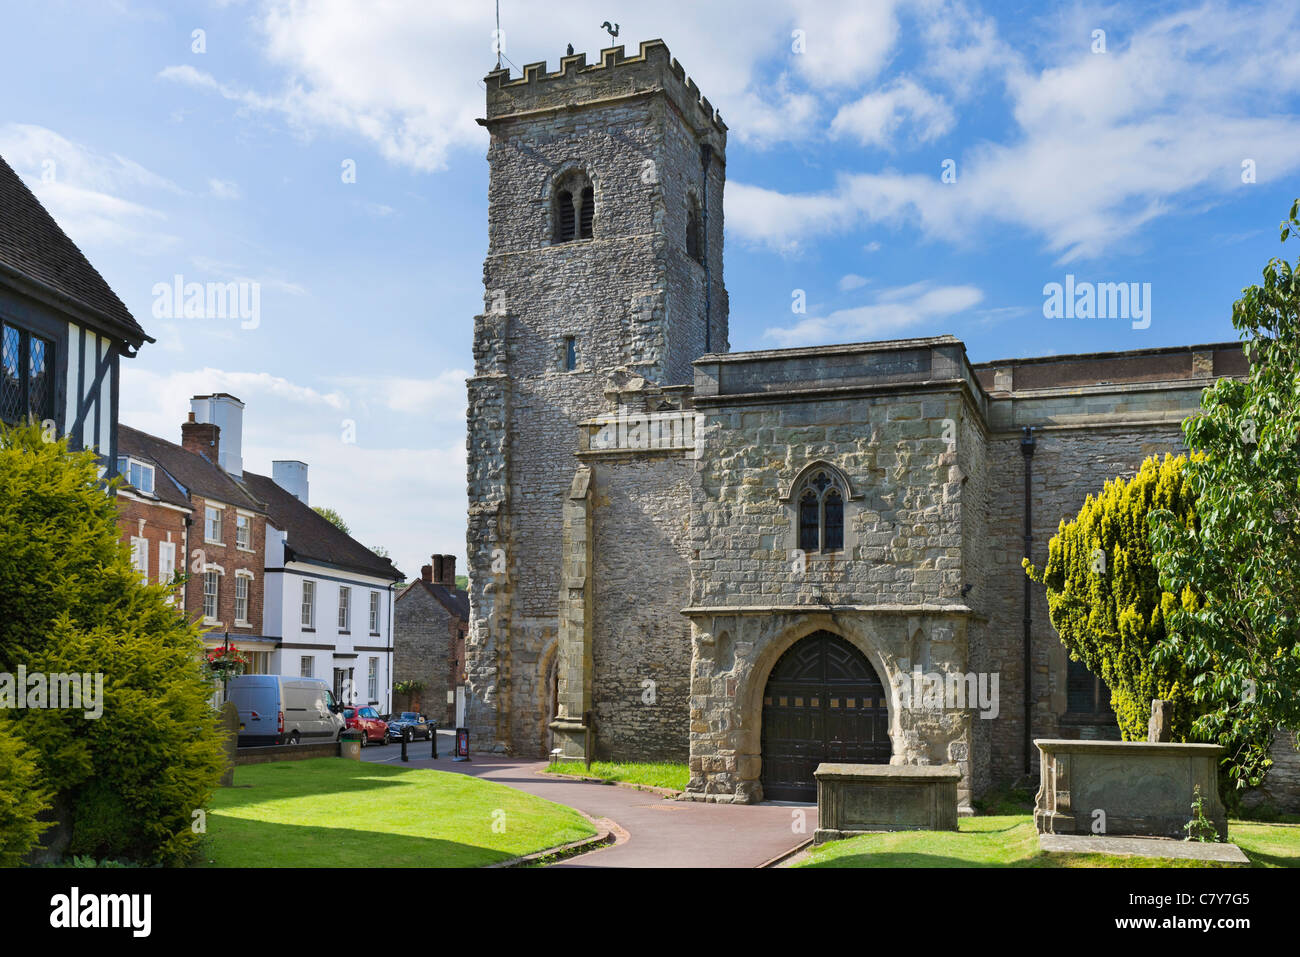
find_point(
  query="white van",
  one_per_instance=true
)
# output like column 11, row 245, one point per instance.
column 274, row 709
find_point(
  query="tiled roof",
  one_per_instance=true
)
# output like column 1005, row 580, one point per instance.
column 454, row 600
column 312, row 538
column 165, row 488
column 38, row 258
column 191, row 471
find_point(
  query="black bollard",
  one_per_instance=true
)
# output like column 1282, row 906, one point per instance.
column 406, row 736
column 433, row 736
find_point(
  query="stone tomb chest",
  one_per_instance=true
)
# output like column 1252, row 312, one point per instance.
column 1126, row 787
column 859, row 798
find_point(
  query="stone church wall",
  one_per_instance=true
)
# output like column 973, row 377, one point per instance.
column 1070, row 462
column 895, row 589
column 641, row 644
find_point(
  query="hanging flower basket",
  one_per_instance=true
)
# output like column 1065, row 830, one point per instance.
column 224, row 663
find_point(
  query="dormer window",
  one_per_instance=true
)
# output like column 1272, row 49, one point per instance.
column 138, row 473
column 574, row 209
column 821, row 513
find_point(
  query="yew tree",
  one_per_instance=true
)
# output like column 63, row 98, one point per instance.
column 1105, row 600
column 126, row 778
column 1242, row 558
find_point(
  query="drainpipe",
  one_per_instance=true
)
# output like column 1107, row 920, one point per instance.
column 1027, row 450
column 706, row 156
column 392, row 618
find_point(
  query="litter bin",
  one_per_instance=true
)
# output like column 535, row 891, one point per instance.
column 350, row 744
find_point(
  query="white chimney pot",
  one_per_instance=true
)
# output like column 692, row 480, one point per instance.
column 227, row 413
column 291, row 475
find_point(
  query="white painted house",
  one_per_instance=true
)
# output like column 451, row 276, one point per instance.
column 328, row 598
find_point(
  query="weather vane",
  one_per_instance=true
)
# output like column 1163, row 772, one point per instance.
column 611, row 30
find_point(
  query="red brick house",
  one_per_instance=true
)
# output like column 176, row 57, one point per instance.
column 184, row 511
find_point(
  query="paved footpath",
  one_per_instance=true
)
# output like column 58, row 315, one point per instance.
column 659, row 832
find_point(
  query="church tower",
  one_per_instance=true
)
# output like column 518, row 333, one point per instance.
column 603, row 273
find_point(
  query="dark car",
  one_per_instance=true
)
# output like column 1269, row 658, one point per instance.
column 418, row 723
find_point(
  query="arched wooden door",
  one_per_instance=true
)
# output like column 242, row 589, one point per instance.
column 823, row 702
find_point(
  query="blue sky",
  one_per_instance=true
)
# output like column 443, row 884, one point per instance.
column 1115, row 165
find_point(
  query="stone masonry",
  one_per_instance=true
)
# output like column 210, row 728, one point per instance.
column 428, row 624
column 634, row 490
column 566, row 321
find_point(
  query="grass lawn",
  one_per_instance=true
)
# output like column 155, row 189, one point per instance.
column 1010, row 841
column 331, row 812
column 672, row 776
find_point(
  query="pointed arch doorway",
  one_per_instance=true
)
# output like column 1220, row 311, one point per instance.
column 823, row 702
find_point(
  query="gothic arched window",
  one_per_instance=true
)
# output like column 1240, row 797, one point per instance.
column 573, row 208
column 821, row 513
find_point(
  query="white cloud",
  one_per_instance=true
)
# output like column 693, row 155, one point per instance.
column 874, row 119
column 962, row 46
column 783, row 221
column 409, row 500
column 203, row 80
column 852, row 281
column 1103, row 144
column 212, row 270
column 363, row 481
column 893, row 311
column 224, row 189
column 440, row 399
column 86, row 192
column 375, row 77
column 848, row 42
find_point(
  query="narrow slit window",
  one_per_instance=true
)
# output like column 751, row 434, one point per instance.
column 694, row 244
column 570, row 354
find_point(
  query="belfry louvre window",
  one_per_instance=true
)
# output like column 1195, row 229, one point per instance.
column 587, row 213
column 575, row 209
column 821, row 514
column 564, row 216
column 26, row 375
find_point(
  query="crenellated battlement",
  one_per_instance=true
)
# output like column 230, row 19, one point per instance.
column 616, row 75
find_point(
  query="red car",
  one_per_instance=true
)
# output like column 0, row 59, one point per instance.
column 374, row 729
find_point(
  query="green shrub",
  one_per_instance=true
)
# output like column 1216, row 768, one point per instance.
column 1104, row 596
column 1105, row 601
column 21, row 798
column 70, row 602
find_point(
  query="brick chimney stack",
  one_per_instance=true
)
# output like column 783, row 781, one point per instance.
column 202, row 438
column 444, row 570
column 426, row 573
